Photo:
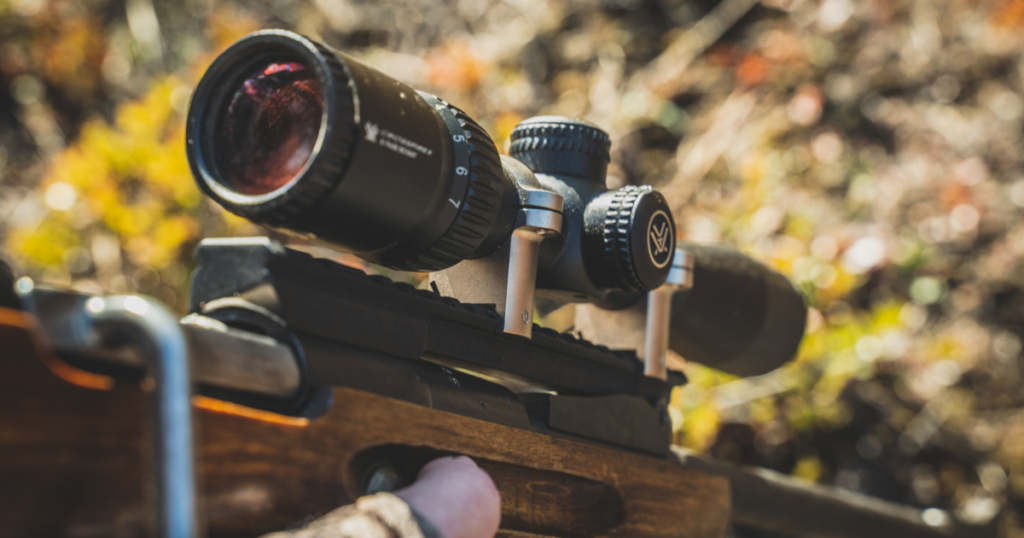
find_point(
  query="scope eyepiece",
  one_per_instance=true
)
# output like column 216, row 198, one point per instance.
column 289, row 133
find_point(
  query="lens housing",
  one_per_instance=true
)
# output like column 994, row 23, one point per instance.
column 396, row 176
column 269, row 128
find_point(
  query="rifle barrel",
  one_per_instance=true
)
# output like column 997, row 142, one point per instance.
column 772, row 501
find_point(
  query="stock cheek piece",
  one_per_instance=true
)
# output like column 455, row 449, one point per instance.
column 291, row 134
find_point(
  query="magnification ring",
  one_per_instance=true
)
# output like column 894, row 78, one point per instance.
column 479, row 204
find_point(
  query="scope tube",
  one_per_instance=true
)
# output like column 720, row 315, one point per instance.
column 289, row 133
column 740, row 316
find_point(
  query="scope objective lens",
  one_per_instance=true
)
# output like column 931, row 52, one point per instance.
column 289, row 133
column 269, row 128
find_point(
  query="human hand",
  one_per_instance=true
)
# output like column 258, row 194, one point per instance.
column 457, row 497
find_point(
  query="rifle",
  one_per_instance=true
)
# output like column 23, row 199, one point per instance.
column 316, row 383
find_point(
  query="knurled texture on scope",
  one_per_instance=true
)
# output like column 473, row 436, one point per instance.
column 331, row 163
column 560, row 136
column 618, row 225
column 480, row 207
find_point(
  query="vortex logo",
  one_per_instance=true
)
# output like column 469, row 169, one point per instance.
column 660, row 239
column 372, row 130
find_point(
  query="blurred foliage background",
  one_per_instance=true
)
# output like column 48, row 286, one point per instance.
column 870, row 150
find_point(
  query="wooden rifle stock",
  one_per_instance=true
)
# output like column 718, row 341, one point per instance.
column 72, row 460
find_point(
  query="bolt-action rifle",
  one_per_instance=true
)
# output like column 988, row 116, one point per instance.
column 313, row 383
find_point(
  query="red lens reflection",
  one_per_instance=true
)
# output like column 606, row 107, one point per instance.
column 269, row 128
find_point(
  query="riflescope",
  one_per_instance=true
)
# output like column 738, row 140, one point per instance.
column 294, row 135
column 289, row 133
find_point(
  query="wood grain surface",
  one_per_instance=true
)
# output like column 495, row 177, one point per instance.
column 73, row 459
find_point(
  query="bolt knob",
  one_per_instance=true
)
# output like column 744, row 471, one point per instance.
column 629, row 239
column 558, row 145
